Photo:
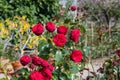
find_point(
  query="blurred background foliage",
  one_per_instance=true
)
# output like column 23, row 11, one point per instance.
column 36, row 10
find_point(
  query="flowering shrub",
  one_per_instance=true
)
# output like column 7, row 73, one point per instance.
column 59, row 55
column 111, row 68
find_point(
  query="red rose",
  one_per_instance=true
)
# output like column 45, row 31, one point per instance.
column 115, row 63
column 62, row 30
column 74, row 35
column 59, row 40
column 35, row 75
column 76, row 55
column 73, row 8
column 47, row 74
column 50, row 26
column 38, row 29
column 25, row 60
column 118, row 53
column 32, row 66
column 45, row 63
column 51, row 67
column 36, row 60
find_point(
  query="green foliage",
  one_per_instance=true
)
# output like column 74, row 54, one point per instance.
column 35, row 10
column 24, row 73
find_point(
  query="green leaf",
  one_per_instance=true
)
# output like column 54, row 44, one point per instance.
column 66, row 66
column 82, row 28
column 58, row 56
column 43, row 47
column 63, row 76
column 74, row 67
column 13, row 78
column 22, row 70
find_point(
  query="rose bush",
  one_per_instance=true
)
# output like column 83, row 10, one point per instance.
column 57, row 53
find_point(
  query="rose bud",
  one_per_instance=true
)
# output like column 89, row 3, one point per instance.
column 73, row 8
column 118, row 53
column 115, row 63
column 32, row 66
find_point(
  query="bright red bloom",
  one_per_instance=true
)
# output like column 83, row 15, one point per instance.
column 59, row 40
column 50, row 26
column 38, row 29
column 51, row 67
column 45, row 63
column 62, row 30
column 76, row 55
column 36, row 60
column 73, row 8
column 118, row 53
column 46, row 73
column 25, row 60
column 74, row 35
column 35, row 75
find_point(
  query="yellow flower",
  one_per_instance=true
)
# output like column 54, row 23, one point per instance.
column 1, row 24
column 4, row 32
column 8, row 22
column 24, row 17
column 16, row 17
column 26, row 26
column 33, row 41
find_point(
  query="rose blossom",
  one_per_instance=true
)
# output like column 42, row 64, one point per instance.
column 118, row 53
column 73, row 8
column 59, row 40
column 25, row 60
column 45, row 63
column 74, row 35
column 47, row 74
column 50, row 26
column 62, row 30
column 38, row 29
column 36, row 60
column 35, row 75
column 32, row 66
column 115, row 63
column 51, row 67
column 76, row 55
